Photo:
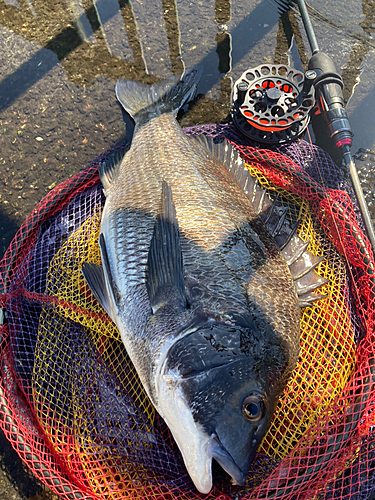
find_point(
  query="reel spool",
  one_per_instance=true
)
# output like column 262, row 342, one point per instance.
column 272, row 102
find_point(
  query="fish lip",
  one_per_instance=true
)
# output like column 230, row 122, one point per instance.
column 217, row 451
column 195, row 452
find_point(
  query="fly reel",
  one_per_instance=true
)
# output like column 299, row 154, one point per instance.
column 272, row 102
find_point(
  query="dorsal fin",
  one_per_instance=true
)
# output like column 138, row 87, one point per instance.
column 231, row 159
column 164, row 272
column 108, row 166
column 300, row 261
column 302, row 264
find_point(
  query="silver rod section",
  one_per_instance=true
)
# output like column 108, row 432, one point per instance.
column 349, row 163
column 360, row 198
column 308, row 27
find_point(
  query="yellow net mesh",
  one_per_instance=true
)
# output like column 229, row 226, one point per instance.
column 67, row 412
column 327, row 354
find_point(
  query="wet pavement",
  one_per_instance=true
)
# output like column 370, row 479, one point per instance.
column 60, row 62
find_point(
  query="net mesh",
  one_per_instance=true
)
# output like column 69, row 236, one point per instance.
column 71, row 402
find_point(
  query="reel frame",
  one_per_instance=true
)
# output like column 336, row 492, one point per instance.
column 272, row 103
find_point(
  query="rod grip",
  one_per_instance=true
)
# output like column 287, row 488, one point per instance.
column 325, row 68
column 330, row 102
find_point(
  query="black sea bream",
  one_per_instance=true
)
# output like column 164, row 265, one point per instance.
column 206, row 302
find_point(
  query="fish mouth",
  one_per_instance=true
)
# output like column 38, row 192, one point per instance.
column 201, row 447
column 217, row 451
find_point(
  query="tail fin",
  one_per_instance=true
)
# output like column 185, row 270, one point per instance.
column 144, row 102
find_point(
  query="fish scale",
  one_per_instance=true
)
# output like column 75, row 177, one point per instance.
column 203, row 298
column 202, row 219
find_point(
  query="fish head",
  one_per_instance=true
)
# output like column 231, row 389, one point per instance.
column 218, row 390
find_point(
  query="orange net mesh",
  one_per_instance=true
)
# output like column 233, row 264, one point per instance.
column 72, row 404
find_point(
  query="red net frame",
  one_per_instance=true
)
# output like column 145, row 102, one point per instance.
column 345, row 462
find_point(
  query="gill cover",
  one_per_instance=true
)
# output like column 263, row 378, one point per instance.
column 218, row 390
column 216, row 384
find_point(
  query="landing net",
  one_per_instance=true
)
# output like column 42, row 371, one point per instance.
column 71, row 403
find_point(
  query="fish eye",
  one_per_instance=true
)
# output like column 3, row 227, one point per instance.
column 253, row 407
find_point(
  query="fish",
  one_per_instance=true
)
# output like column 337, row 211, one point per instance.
column 204, row 278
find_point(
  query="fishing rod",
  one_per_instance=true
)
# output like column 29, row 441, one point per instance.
column 328, row 87
column 272, row 104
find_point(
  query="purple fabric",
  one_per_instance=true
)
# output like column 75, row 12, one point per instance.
column 118, row 426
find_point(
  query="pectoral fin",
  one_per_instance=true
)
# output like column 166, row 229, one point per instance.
column 94, row 276
column 99, row 280
column 164, row 271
